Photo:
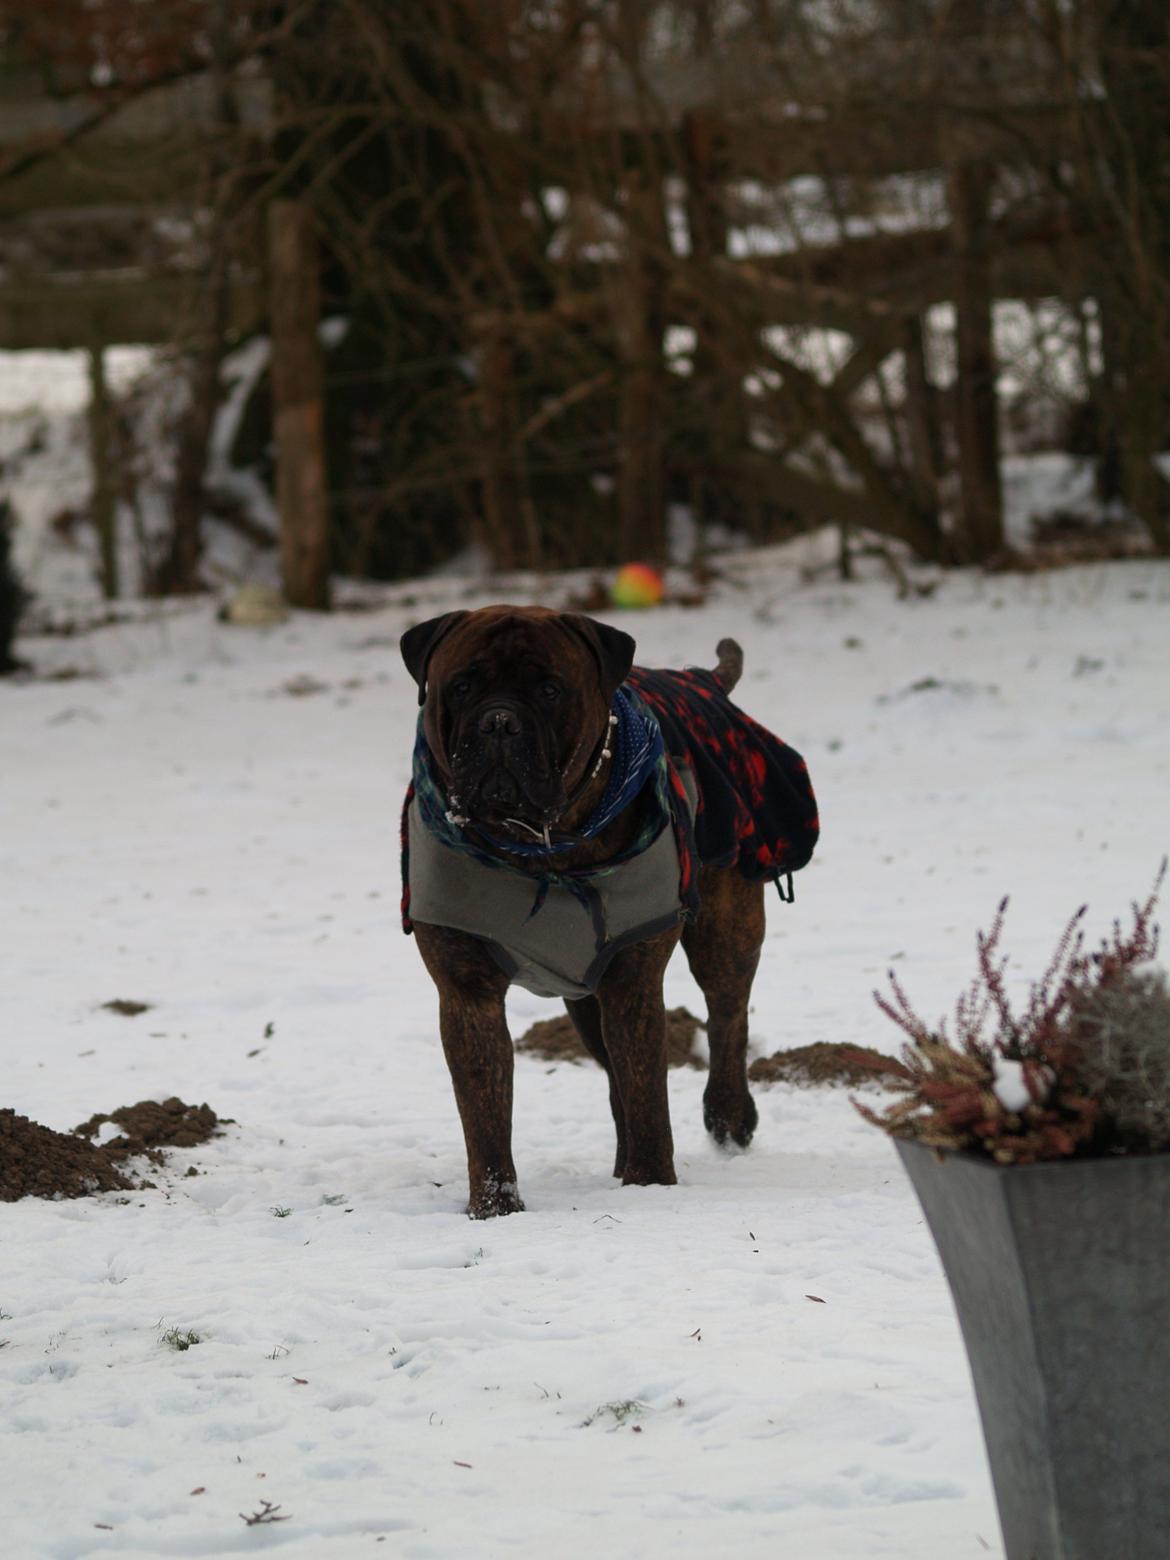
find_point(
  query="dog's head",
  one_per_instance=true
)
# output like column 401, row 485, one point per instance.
column 516, row 701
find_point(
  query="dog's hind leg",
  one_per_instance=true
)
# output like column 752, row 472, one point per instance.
column 723, row 950
column 633, row 1022
column 586, row 1015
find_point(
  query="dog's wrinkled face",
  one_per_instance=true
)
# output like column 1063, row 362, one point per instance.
column 516, row 700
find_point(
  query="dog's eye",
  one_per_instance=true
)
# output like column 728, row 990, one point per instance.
column 460, row 688
column 550, row 691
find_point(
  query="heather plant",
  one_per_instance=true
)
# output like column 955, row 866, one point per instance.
column 1082, row 1069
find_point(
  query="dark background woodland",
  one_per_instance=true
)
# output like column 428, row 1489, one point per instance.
column 600, row 259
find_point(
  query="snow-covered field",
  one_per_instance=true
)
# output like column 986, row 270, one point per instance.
column 761, row 1361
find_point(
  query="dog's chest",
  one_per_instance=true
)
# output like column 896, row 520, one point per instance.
column 550, row 938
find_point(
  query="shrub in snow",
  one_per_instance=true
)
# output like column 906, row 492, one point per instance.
column 180, row 1339
column 12, row 593
column 1123, row 1030
column 1083, row 1069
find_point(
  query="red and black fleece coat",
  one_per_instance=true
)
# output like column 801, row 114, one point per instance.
column 756, row 808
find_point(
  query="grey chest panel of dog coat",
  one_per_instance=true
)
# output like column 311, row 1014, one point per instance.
column 563, row 949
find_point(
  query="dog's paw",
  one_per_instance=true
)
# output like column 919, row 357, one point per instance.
column 731, row 1125
column 652, row 1175
column 493, row 1200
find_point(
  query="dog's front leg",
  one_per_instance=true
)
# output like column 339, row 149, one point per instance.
column 633, row 1019
column 479, row 1054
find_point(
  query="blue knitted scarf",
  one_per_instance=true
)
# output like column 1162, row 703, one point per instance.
column 637, row 757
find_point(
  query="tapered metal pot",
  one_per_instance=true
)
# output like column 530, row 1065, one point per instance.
column 1060, row 1274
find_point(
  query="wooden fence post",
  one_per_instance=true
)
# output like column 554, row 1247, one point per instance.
column 103, row 503
column 641, row 497
column 921, row 414
column 976, row 405
column 298, row 405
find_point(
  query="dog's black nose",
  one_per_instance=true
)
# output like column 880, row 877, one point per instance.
column 499, row 721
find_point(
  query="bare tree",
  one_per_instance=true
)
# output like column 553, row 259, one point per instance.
column 599, row 258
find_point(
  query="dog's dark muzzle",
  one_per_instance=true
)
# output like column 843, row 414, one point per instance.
column 499, row 763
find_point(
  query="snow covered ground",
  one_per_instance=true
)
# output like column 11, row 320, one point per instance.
column 761, row 1361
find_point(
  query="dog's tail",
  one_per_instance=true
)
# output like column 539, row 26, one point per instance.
column 730, row 667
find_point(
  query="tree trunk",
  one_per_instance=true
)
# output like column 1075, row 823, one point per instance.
column 502, row 492
column 178, row 571
column 1142, row 432
column 298, row 405
column 1134, row 296
column 715, row 385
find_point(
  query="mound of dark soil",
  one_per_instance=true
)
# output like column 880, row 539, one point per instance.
column 35, row 1161
column 555, row 1040
column 148, row 1127
column 825, row 1064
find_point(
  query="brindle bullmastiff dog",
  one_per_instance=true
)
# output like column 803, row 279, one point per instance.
column 517, row 706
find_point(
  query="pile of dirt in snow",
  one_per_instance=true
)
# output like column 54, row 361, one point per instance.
column 148, row 1127
column 819, row 1065
column 555, row 1040
column 823, row 1064
column 35, row 1161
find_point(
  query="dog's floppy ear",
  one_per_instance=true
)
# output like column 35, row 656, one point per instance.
column 612, row 649
column 418, row 645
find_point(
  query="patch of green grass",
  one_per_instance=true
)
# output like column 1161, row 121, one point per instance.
column 280, row 1213
column 180, row 1338
column 630, row 1408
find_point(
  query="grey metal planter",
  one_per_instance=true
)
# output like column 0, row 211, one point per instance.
column 1060, row 1275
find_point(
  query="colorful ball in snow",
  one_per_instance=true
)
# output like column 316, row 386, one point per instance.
column 637, row 585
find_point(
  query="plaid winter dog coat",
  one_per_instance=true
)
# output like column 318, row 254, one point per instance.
column 756, row 808
column 726, row 793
